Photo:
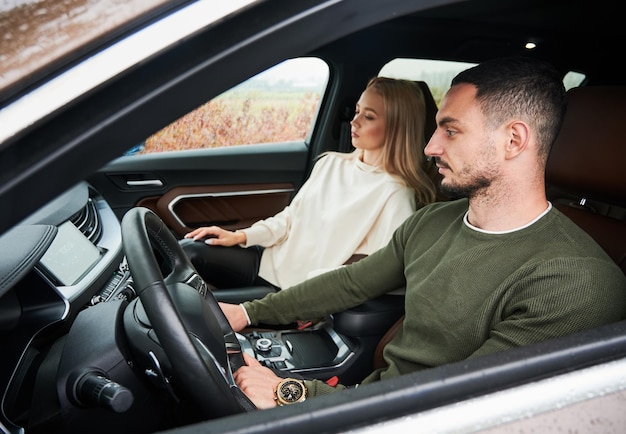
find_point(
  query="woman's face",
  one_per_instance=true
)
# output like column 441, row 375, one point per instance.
column 368, row 124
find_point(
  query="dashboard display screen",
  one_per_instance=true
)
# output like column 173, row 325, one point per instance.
column 70, row 256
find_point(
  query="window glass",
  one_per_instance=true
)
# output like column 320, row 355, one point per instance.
column 53, row 86
column 278, row 105
column 573, row 79
column 35, row 32
column 438, row 73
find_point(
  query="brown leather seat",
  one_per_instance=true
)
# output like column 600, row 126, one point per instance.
column 586, row 170
column 379, row 361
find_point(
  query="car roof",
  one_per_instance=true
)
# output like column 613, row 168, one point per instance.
column 571, row 34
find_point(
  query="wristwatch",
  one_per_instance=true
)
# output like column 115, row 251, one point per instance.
column 290, row 391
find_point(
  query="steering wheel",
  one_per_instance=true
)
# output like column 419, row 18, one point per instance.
column 195, row 336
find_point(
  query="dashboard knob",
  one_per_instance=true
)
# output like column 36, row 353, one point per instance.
column 263, row 344
column 95, row 390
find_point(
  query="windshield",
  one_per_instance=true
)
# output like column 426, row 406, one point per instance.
column 35, row 33
column 58, row 34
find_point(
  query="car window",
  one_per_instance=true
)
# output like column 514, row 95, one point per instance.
column 277, row 105
column 41, row 38
column 438, row 73
column 573, row 79
column 35, row 33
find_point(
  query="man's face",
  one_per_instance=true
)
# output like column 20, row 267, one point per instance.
column 463, row 145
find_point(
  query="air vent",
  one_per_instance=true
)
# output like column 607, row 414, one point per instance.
column 87, row 220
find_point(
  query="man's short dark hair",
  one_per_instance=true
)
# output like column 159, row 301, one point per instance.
column 523, row 88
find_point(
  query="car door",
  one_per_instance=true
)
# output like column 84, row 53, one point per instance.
column 235, row 160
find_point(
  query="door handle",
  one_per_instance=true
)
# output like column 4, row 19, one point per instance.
column 145, row 183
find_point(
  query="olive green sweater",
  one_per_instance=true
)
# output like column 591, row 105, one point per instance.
column 468, row 292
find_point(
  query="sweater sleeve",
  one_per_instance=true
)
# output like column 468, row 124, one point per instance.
column 335, row 291
column 275, row 230
column 270, row 231
column 319, row 388
column 558, row 297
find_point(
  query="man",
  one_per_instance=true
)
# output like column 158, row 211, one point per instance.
column 494, row 270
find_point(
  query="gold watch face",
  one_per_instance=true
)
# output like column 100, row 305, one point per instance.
column 290, row 391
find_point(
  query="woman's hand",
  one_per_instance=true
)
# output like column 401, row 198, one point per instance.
column 257, row 382
column 217, row 236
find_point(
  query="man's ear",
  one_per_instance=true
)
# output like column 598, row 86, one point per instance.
column 519, row 137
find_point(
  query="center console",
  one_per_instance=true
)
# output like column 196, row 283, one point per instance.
column 343, row 345
column 316, row 351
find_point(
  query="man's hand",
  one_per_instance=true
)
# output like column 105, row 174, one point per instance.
column 235, row 315
column 257, row 382
column 217, row 236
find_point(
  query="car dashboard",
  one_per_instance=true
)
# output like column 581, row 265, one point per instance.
column 87, row 246
column 65, row 257
column 68, row 257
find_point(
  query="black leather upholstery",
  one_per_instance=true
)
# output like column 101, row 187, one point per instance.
column 238, row 295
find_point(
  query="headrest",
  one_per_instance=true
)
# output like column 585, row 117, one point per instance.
column 430, row 125
column 589, row 155
column 431, row 110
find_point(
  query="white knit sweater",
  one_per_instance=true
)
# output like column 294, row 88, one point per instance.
column 345, row 207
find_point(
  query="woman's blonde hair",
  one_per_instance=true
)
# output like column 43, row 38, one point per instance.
column 403, row 149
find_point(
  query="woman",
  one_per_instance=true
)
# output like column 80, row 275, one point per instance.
column 349, row 206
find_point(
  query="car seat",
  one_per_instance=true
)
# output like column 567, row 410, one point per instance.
column 585, row 173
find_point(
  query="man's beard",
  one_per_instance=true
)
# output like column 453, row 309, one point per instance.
column 469, row 190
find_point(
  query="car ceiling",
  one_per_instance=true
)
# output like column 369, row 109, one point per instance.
column 574, row 35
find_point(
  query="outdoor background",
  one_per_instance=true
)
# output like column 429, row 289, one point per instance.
column 257, row 113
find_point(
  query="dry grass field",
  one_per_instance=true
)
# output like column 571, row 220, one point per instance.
column 238, row 118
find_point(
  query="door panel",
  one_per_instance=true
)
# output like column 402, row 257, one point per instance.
column 229, row 206
column 229, row 187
